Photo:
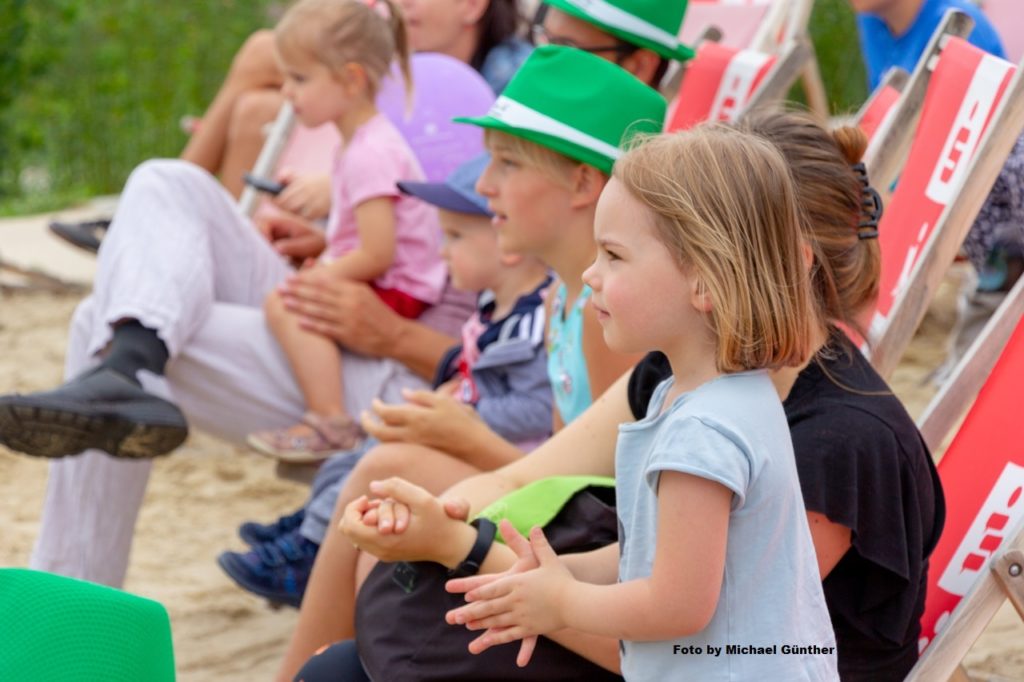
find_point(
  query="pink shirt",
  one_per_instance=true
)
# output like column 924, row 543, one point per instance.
column 367, row 168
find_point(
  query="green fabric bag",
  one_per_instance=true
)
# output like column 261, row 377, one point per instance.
column 54, row 629
column 535, row 504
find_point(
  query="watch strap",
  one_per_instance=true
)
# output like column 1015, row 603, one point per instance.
column 485, row 532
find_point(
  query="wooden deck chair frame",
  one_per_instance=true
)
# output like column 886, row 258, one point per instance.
column 948, row 234
column 941, row 660
column 786, row 21
column 673, row 80
column 792, row 59
column 891, row 143
column 895, row 78
column 773, row 86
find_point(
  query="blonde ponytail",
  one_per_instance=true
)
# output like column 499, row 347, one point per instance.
column 403, row 52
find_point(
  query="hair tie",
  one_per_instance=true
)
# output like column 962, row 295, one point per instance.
column 870, row 206
column 382, row 8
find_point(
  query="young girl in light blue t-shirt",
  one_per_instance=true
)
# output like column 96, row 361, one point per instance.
column 717, row 578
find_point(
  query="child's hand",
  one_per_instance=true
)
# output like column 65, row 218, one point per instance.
column 308, row 196
column 429, row 418
column 449, row 388
column 515, row 605
column 527, row 561
column 388, row 516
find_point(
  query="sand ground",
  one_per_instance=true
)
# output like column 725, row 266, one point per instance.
column 198, row 496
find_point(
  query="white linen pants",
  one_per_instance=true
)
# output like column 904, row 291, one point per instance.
column 182, row 260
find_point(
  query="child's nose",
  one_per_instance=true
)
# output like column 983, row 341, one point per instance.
column 484, row 184
column 590, row 277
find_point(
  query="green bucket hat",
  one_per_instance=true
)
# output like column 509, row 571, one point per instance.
column 576, row 104
column 653, row 24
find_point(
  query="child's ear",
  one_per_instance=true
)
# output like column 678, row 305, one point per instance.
column 473, row 11
column 353, row 78
column 807, row 252
column 700, row 297
column 643, row 64
column 586, row 185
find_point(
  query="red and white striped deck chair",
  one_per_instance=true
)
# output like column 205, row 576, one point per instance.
column 768, row 26
column 439, row 144
column 890, row 145
column 881, row 105
column 941, row 189
column 979, row 561
column 722, row 82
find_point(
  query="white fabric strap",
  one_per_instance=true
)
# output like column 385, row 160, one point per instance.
column 521, row 116
column 611, row 15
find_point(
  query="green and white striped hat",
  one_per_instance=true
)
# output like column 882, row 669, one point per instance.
column 653, row 24
column 576, row 104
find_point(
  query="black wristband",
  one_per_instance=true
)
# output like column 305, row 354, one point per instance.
column 485, row 531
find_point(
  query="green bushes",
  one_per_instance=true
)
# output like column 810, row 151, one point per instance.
column 89, row 89
column 100, row 86
column 834, row 33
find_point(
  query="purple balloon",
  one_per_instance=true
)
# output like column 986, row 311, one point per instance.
column 443, row 87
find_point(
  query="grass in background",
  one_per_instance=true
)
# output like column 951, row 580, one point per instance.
column 90, row 89
column 98, row 87
column 834, row 33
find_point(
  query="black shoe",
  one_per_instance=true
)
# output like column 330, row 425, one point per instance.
column 102, row 409
column 85, row 235
column 258, row 533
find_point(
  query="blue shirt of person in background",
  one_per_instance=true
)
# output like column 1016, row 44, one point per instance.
column 882, row 49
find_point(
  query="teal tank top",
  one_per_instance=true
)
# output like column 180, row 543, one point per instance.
column 567, row 367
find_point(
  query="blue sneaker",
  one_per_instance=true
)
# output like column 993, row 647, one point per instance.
column 258, row 533
column 278, row 570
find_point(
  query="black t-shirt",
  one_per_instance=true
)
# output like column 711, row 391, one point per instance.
column 862, row 463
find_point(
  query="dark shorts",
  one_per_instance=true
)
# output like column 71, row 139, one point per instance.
column 336, row 663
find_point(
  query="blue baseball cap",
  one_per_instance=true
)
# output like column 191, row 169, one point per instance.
column 457, row 193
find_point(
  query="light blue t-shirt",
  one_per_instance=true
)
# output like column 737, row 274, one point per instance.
column 883, row 50
column 731, row 430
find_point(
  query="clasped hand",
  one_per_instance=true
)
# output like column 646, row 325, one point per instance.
column 404, row 522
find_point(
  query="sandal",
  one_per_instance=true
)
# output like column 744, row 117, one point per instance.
column 327, row 436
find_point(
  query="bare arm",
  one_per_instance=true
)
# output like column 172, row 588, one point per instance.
column 432, row 535
column 375, row 219
column 680, row 596
column 678, row 599
column 584, row 447
column 831, row 541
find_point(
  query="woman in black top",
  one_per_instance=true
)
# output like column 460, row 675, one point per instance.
column 874, row 502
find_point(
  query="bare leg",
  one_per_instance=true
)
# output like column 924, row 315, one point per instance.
column 328, row 607
column 253, row 111
column 315, row 360
column 254, row 68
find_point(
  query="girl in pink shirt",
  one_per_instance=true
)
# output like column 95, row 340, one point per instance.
column 334, row 55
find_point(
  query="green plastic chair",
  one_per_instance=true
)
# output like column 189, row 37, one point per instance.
column 55, row 628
